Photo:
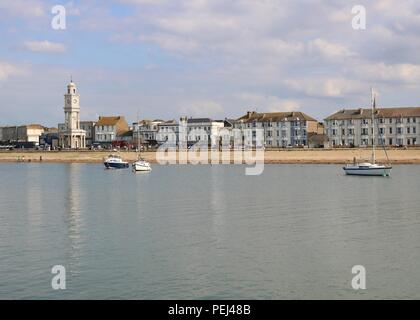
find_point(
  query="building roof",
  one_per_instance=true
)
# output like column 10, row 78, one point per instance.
column 252, row 116
column 128, row 133
column 109, row 121
column 199, row 120
column 34, row 126
column 168, row 123
column 146, row 121
column 361, row 113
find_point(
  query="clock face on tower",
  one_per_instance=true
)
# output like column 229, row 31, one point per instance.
column 68, row 100
column 74, row 100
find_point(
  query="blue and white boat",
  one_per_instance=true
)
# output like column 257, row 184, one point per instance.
column 115, row 162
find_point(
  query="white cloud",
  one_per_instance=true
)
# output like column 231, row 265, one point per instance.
column 201, row 108
column 329, row 49
column 396, row 73
column 23, row 8
column 171, row 42
column 289, row 54
column 45, row 46
column 8, row 70
column 326, row 87
column 269, row 103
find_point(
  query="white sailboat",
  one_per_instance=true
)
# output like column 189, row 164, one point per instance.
column 370, row 168
column 140, row 164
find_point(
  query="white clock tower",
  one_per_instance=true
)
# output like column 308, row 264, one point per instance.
column 72, row 137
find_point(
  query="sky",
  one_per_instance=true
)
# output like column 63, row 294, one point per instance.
column 164, row 59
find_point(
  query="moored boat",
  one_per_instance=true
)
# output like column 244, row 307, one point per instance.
column 370, row 168
column 141, row 165
column 115, row 162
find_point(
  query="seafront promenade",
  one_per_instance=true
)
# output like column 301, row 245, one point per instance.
column 287, row 156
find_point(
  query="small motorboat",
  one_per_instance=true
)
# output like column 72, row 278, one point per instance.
column 115, row 162
column 141, row 165
column 368, row 169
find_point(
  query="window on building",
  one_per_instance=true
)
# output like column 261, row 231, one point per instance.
column 390, row 120
column 390, row 130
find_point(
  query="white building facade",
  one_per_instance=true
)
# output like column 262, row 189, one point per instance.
column 191, row 131
column 168, row 133
column 280, row 129
column 393, row 127
column 146, row 131
column 203, row 130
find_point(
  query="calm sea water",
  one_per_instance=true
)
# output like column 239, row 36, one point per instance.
column 207, row 232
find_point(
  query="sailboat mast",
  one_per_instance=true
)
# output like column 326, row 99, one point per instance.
column 373, row 126
column 138, row 135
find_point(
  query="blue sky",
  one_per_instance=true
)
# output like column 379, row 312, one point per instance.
column 205, row 58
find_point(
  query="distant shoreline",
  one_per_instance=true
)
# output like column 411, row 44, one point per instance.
column 287, row 156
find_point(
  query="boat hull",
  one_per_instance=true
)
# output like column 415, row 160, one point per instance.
column 116, row 165
column 141, row 167
column 378, row 171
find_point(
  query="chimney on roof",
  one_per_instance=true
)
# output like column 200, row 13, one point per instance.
column 360, row 111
